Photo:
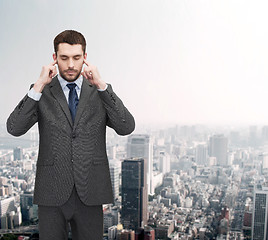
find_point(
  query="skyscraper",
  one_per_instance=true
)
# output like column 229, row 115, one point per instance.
column 253, row 136
column 260, row 210
column 17, row 153
column 141, row 146
column 201, row 155
column 218, row 145
column 164, row 162
column 115, row 169
column 265, row 134
column 134, row 193
column 110, row 218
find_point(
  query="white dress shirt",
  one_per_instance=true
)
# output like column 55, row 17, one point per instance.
column 37, row 95
column 66, row 90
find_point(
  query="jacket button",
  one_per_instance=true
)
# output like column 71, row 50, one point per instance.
column 72, row 160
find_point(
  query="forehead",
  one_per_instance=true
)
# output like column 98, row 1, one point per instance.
column 70, row 50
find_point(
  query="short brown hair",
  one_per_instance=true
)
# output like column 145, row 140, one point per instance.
column 70, row 37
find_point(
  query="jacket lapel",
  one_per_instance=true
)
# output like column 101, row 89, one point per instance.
column 57, row 92
column 85, row 94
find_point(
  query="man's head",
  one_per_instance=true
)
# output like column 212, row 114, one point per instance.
column 70, row 52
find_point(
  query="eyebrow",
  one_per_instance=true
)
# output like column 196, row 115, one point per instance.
column 78, row 55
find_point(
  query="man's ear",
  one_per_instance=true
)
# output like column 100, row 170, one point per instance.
column 85, row 56
column 54, row 56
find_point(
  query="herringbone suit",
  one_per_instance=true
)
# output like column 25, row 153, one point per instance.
column 72, row 153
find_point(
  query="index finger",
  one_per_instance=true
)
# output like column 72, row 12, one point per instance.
column 54, row 62
column 86, row 62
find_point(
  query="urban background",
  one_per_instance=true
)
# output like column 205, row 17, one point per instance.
column 180, row 182
column 193, row 74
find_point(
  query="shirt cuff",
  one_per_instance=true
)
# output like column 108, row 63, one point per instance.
column 102, row 90
column 34, row 95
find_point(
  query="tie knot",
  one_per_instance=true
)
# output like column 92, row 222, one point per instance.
column 71, row 86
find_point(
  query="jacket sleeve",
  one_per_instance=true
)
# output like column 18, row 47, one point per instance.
column 23, row 117
column 119, row 118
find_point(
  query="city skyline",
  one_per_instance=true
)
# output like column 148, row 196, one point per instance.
column 205, row 196
column 193, row 187
column 188, row 62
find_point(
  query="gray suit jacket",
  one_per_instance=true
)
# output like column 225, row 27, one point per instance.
column 72, row 153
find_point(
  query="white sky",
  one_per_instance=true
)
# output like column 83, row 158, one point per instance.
column 170, row 61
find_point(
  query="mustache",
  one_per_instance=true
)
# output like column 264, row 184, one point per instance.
column 70, row 69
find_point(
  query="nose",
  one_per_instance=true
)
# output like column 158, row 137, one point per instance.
column 70, row 63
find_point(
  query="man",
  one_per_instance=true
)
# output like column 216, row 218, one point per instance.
column 72, row 110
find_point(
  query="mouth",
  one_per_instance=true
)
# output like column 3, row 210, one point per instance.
column 71, row 72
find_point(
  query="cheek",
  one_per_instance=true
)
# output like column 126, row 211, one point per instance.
column 61, row 65
column 79, row 64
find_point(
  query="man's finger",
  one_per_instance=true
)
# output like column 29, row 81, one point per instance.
column 53, row 72
column 54, row 62
column 86, row 75
column 83, row 74
column 86, row 62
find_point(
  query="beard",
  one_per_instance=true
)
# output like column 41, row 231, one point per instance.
column 70, row 75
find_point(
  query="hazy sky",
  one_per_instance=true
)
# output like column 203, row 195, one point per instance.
column 170, row 61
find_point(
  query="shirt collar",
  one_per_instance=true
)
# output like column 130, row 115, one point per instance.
column 63, row 82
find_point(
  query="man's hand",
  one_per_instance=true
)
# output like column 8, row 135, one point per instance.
column 91, row 73
column 47, row 73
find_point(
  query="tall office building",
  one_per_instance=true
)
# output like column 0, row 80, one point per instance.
column 187, row 132
column 253, row 136
column 264, row 134
column 201, row 155
column 115, row 169
column 141, row 146
column 264, row 161
column 112, row 232
column 17, row 153
column 260, row 212
column 110, row 218
column 134, row 193
column 27, row 206
column 34, row 136
column 218, row 145
column 7, row 205
column 164, row 162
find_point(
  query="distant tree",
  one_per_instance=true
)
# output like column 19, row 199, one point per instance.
column 9, row 236
column 151, row 197
column 35, row 236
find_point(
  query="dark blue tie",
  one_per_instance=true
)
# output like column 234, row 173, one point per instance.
column 73, row 99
